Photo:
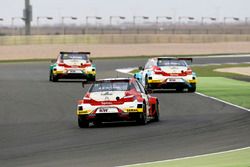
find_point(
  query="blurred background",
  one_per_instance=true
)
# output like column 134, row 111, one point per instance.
column 130, row 21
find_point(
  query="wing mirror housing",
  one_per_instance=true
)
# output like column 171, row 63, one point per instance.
column 149, row 91
column 53, row 61
column 141, row 68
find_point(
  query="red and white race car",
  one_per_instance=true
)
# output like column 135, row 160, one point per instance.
column 167, row 73
column 117, row 99
column 72, row 65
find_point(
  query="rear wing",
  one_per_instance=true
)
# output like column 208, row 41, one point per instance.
column 74, row 52
column 188, row 60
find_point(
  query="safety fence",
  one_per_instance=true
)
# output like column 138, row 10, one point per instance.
column 123, row 39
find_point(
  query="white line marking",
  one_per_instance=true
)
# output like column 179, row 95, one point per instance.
column 184, row 158
column 231, row 104
column 126, row 70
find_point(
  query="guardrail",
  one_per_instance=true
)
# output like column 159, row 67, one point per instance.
column 122, row 39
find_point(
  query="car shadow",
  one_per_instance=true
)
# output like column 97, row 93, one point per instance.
column 169, row 91
column 68, row 81
column 120, row 124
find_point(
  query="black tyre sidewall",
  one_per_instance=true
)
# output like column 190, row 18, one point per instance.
column 157, row 114
column 142, row 119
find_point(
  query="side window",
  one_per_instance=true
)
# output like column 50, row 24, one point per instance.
column 149, row 64
column 155, row 63
column 142, row 90
column 60, row 56
column 136, row 86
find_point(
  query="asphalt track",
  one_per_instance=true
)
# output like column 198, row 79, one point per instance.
column 38, row 126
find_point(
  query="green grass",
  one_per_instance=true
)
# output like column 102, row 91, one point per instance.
column 231, row 159
column 229, row 87
column 230, row 90
column 208, row 71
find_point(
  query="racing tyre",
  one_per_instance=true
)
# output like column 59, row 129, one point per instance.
column 52, row 77
column 92, row 78
column 157, row 113
column 142, row 118
column 146, row 82
column 83, row 123
column 192, row 88
column 147, row 86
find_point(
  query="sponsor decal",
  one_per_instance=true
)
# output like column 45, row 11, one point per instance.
column 74, row 71
column 132, row 110
column 107, row 110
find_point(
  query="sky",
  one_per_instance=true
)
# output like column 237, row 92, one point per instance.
column 127, row 8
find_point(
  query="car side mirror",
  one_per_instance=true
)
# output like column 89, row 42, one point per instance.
column 53, row 61
column 141, row 68
column 149, row 91
column 91, row 61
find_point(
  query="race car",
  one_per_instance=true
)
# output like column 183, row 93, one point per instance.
column 72, row 65
column 117, row 99
column 167, row 73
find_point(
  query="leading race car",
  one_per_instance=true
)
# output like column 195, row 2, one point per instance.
column 117, row 99
column 73, row 65
column 167, row 73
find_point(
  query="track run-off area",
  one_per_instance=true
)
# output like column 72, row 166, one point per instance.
column 38, row 123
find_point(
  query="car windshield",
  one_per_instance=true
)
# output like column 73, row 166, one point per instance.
column 75, row 56
column 110, row 86
column 168, row 62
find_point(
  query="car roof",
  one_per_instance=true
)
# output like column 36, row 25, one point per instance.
column 115, row 79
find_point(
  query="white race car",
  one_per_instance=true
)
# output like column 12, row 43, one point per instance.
column 117, row 99
column 72, row 65
column 167, row 73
